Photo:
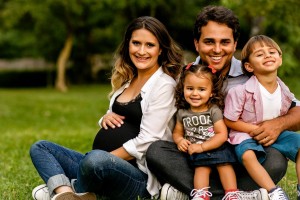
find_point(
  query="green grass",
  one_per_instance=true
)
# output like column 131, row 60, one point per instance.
column 70, row 119
column 28, row 115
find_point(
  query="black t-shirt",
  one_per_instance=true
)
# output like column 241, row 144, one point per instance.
column 111, row 139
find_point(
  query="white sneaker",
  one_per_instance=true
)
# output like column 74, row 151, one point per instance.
column 74, row 196
column 201, row 194
column 278, row 194
column 168, row 192
column 260, row 194
column 41, row 193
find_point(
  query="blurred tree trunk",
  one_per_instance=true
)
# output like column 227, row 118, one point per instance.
column 61, row 64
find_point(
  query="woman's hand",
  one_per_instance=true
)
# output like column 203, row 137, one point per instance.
column 112, row 120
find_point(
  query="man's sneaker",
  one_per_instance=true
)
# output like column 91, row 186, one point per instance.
column 41, row 193
column 260, row 194
column 168, row 192
column 201, row 194
column 278, row 194
column 74, row 196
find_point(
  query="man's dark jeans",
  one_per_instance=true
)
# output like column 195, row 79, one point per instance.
column 171, row 166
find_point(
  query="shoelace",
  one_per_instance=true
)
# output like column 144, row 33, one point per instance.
column 232, row 196
column 201, row 192
column 278, row 194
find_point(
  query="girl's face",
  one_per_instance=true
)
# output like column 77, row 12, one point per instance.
column 144, row 50
column 197, row 91
column 263, row 60
column 216, row 45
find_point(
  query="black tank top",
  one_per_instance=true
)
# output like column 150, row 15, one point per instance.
column 111, row 139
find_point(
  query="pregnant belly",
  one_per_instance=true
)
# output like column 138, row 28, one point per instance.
column 111, row 139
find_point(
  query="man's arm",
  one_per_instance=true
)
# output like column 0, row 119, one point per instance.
column 271, row 129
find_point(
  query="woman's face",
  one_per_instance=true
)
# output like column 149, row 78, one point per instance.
column 144, row 50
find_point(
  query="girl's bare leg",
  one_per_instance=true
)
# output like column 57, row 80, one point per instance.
column 227, row 176
column 201, row 177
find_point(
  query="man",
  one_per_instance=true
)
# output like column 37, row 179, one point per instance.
column 216, row 32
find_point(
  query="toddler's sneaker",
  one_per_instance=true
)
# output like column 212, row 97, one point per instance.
column 41, row 193
column 168, row 192
column 231, row 196
column 201, row 194
column 278, row 194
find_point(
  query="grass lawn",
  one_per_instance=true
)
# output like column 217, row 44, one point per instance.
column 70, row 119
column 28, row 115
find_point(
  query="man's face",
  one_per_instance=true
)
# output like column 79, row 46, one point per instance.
column 216, row 45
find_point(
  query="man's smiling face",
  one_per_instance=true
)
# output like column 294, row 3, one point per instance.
column 216, row 45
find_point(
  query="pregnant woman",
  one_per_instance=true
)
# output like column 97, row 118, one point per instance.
column 141, row 105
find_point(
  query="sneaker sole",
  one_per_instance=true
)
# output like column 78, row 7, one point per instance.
column 264, row 194
column 73, row 196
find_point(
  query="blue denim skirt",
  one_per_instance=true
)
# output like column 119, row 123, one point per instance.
column 223, row 154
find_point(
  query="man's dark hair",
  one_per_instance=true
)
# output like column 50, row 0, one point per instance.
column 217, row 14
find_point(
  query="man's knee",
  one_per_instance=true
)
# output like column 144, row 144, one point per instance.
column 275, row 164
column 154, row 150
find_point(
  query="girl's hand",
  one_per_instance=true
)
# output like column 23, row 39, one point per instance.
column 183, row 145
column 112, row 120
column 195, row 148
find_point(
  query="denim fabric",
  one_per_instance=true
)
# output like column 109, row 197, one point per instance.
column 288, row 143
column 108, row 175
column 98, row 171
column 170, row 165
column 252, row 144
column 55, row 164
column 223, row 154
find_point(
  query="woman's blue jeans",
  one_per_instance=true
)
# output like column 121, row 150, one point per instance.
column 97, row 171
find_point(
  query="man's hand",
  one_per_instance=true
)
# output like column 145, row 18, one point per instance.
column 267, row 132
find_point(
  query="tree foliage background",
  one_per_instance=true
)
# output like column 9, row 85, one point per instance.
column 69, row 33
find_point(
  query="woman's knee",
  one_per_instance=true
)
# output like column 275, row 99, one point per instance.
column 96, row 159
column 35, row 147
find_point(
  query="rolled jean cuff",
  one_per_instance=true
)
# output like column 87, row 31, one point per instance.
column 56, row 181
